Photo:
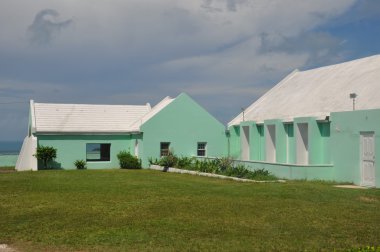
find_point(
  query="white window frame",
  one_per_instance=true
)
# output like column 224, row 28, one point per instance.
column 202, row 149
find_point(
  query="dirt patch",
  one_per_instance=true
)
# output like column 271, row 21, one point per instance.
column 368, row 199
column 6, row 248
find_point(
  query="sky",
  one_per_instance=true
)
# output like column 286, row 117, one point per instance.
column 223, row 53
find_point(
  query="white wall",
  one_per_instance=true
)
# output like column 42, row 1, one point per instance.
column 245, row 148
column 302, row 142
column 270, row 143
column 26, row 161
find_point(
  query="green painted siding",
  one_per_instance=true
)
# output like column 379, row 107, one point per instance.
column 73, row 147
column 345, row 143
column 183, row 123
column 234, row 142
column 257, row 140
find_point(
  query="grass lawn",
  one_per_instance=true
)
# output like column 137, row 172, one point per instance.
column 122, row 210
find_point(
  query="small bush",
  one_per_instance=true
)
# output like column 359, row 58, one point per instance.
column 169, row 161
column 184, row 162
column 80, row 164
column 153, row 161
column 128, row 161
column 46, row 154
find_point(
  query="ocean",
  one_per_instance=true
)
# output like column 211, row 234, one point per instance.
column 10, row 147
column 9, row 151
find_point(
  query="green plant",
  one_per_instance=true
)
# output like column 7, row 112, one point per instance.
column 80, row 164
column 153, row 161
column 169, row 161
column 184, row 162
column 224, row 163
column 46, row 154
column 128, row 161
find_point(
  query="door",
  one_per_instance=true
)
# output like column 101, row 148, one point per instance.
column 367, row 159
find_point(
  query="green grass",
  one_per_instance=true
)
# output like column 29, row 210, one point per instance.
column 123, row 210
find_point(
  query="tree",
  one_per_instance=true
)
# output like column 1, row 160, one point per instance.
column 45, row 154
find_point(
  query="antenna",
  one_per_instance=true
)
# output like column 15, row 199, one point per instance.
column 353, row 97
column 243, row 109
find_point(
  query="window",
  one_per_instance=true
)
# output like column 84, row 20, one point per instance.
column 164, row 148
column 98, row 152
column 201, row 149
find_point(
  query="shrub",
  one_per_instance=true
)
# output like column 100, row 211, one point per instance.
column 45, row 154
column 224, row 163
column 169, row 161
column 80, row 164
column 184, row 162
column 128, row 161
column 262, row 174
column 153, row 161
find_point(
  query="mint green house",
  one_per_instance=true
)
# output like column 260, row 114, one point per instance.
column 97, row 133
column 322, row 123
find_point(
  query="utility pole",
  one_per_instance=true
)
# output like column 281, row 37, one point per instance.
column 243, row 109
column 353, row 97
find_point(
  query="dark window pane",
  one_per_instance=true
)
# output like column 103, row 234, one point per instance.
column 164, row 148
column 201, row 149
column 98, row 152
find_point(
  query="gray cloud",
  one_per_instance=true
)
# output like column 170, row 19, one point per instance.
column 217, row 5
column 322, row 47
column 45, row 27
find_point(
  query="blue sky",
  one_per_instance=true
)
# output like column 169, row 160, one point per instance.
column 224, row 53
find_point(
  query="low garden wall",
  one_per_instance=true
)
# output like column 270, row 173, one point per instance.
column 176, row 170
column 289, row 171
column 8, row 160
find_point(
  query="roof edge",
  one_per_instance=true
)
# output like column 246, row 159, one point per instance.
column 238, row 118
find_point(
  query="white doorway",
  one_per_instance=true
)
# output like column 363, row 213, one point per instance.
column 137, row 148
column 367, row 153
column 302, row 142
column 270, row 143
column 245, row 149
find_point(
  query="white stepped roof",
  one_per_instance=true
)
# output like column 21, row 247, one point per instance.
column 85, row 118
column 162, row 104
column 318, row 92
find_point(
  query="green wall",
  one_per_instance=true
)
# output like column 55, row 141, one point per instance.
column 293, row 171
column 345, row 142
column 320, row 165
column 8, row 160
column 334, row 146
column 234, row 142
column 73, row 147
column 183, row 123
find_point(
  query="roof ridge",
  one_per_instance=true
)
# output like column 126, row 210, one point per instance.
column 260, row 100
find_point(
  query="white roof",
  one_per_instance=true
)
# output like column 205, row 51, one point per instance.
column 162, row 104
column 317, row 92
column 85, row 118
